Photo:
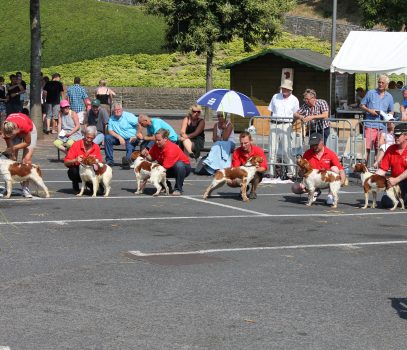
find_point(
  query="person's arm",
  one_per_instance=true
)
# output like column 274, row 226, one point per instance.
column 395, row 180
column 382, row 141
column 403, row 113
column 117, row 136
column 227, row 132
column 183, row 135
column 214, row 133
column 324, row 112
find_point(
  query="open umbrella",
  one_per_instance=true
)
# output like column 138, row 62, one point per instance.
column 229, row 101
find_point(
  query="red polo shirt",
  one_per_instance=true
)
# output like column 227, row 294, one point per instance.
column 168, row 155
column 78, row 149
column 394, row 160
column 327, row 161
column 23, row 122
column 240, row 157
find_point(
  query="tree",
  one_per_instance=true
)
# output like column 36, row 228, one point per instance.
column 197, row 25
column 35, row 77
column 390, row 13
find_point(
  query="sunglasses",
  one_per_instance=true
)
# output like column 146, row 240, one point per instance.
column 196, row 111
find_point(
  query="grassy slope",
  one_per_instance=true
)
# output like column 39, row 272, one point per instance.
column 74, row 30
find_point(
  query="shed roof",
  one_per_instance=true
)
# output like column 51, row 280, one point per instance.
column 304, row 57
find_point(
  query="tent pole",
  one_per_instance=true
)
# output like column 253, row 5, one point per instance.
column 332, row 91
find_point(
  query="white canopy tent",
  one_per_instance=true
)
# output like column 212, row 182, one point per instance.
column 372, row 52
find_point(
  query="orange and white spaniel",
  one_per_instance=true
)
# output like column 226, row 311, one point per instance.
column 91, row 170
column 376, row 183
column 149, row 171
column 241, row 175
column 314, row 179
column 13, row 171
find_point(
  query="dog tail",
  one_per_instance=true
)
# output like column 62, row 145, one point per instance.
column 38, row 169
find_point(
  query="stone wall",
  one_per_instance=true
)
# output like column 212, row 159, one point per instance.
column 318, row 28
column 154, row 98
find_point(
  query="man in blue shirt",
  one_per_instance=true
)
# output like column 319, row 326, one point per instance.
column 122, row 130
column 153, row 125
column 77, row 95
column 376, row 101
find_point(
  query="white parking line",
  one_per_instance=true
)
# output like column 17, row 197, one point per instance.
column 205, row 217
column 304, row 246
column 225, row 206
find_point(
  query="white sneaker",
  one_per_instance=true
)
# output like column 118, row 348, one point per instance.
column 3, row 192
column 330, row 199
column 27, row 193
column 132, row 166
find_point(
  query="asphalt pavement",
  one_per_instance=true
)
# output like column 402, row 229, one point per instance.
column 138, row 272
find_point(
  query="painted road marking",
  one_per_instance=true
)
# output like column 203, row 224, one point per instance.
column 204, row 217
column 304, row 246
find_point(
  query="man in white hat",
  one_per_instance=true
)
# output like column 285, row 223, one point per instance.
column 282, row 106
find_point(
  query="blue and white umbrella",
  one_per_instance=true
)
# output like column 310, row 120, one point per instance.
column 229, row 101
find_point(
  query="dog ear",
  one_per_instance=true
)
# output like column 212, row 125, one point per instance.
column 134, row 155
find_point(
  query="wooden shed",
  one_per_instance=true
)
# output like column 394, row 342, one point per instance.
column 260, row 76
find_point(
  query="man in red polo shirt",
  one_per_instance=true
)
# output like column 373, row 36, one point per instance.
column 19, row 132
column 395, row 160
column 171, row 157
column 77, row 152
column 243, row 153
column 321, row 158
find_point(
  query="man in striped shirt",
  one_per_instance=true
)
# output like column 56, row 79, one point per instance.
column 314, row 112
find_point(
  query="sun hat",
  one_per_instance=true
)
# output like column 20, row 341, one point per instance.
column 315, row 139
column 64, row 103
column 287, row 84
column 95, row 102
column 400, row 129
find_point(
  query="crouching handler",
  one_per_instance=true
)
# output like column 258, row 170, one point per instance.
column 321, row 158
column 241, row 156
column 171, row 157
column 79, row 150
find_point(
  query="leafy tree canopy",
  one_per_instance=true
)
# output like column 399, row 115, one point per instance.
column 390, row 13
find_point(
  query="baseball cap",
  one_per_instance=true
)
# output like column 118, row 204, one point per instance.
column 64, row 103
column 95, row 102
column 315, row 138
column 400, row 129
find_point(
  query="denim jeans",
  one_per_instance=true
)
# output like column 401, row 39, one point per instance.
column 179, row 172
column 99, row 138
column 110, row 141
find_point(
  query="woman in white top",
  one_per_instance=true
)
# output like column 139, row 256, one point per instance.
column 220, row 155
column 386, row 140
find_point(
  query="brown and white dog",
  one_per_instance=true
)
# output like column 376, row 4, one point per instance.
column 149, row 171
column 314, row 179
column 91, row 170
column 13, row 171
column 241, row 175
column 377, row 183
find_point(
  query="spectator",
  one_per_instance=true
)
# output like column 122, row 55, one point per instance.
column 220, row 155
column 242, row 154
column 171, row 157
column 192, row 133
column 315, row 112
column 122, row 130
column 399, row 84
column 80, row 149
column 360, row 93
column 77, row 95
column 105, row 95
column 53, row 94
column 397, row 98
column 394, row 160
column 386, row 140
column 23, row 94
column 20, row 134
column 3, row 100
column 321, row 158
column 403, row 106
column 98, row 117
column 14, row 90
column 282, row 106
column 69, row 129
column 153, row 125
column 373, row 103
